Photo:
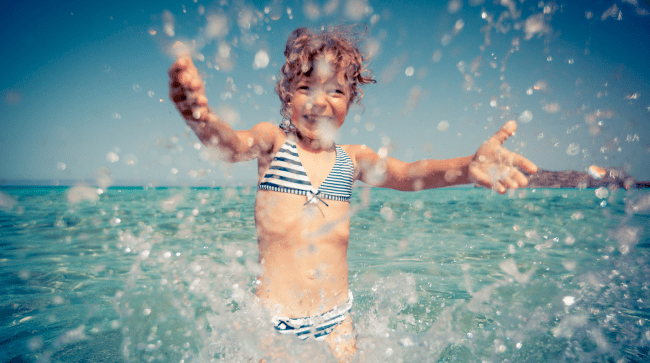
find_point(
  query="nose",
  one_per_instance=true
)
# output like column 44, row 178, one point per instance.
column 317, row 101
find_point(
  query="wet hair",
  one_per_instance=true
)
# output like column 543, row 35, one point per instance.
column 305, row 46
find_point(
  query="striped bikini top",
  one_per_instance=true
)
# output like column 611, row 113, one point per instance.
column 287, row 175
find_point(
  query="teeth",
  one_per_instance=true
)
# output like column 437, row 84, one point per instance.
column 317, row 118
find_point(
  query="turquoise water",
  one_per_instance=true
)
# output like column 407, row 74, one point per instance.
column 156, row 274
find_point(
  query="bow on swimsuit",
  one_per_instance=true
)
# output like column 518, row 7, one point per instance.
column 287, row 175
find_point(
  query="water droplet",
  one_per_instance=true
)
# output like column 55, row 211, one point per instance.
column 458, row 26
column 80, row 193
column 130, row 159
column 552, row 107
column 535, row 25
column 541, row 85
column 602, row 192
column 443, row 126
column 217, row 26
column 136, row 87
column 382, row 152
column 150, row 93
column 569, row 265
column 437, row 55
column 60, row 165
column 311, row 10
column 104, row 178
column 569, row 300
column 356, row 9
column 168, row 23
column 573, row 149
column 525, row 117
column 261, row 59
column 35, row 343
column 112, row 157
column 454, row 6
column 470, row 335
column 387, row 213
column 409, row 71
column 613, row 12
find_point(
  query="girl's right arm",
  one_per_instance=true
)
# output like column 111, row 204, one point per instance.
column 187, row 91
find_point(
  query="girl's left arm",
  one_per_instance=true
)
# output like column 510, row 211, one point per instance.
column 388, row 172
column 492, row 166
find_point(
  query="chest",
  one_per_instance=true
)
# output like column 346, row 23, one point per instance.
column 317, row 166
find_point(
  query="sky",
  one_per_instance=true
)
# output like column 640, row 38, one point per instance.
column 84, row 85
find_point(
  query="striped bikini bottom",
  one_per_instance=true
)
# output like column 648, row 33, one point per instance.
column 317, row 326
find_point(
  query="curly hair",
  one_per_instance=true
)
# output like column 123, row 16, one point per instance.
column 302, row 49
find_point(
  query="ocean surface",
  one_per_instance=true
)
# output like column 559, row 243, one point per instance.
column 466, row 275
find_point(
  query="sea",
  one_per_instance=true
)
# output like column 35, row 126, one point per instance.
column 143, row 274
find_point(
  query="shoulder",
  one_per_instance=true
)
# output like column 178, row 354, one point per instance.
column 268, row 128
column 362, row 156
column 269, row 136
column 359, row 152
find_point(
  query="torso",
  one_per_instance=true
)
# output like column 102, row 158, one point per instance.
column 303, row 247
column 287, row 174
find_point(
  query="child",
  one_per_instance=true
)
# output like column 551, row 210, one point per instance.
column 302, row 206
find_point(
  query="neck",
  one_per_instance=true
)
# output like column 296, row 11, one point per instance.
column 312, row 144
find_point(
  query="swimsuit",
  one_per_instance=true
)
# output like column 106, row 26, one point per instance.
column 317, row 326
column 287, row 175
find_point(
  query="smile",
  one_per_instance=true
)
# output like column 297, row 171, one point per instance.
column 316, row 118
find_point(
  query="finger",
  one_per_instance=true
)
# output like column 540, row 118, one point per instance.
column 523, row 163
column 488, row 181
column 180, row 65
column 505, row 132
column 510, row 183
column 177, row 95
column 499, row 188
column 520, row 178
column 196, row 84
column 201, row 100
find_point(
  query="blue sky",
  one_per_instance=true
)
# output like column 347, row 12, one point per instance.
column 84, row 85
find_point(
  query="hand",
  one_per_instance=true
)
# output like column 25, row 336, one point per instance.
column 497, row 168
column 186, row 88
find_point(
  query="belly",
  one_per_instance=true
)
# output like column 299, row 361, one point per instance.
column 302, row 253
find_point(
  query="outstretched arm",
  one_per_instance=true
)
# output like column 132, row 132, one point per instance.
column 187, row 91
column 492, row 166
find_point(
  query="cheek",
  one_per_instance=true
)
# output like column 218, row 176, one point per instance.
column 342, row 109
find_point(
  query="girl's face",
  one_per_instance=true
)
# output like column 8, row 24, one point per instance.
column 320, row 102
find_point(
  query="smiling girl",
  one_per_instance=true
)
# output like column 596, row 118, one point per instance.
column 302, row 206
